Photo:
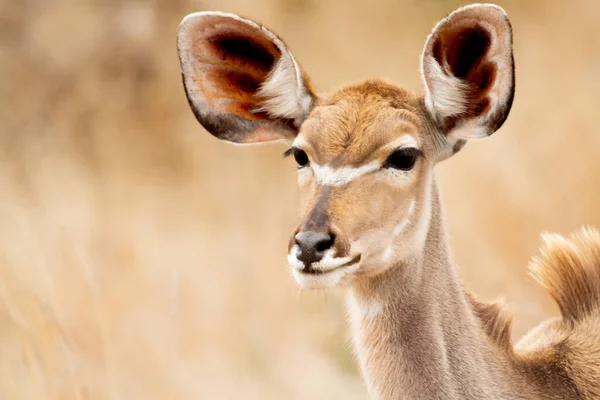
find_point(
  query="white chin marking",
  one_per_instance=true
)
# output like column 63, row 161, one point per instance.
column 331, row 270
column 325, row 280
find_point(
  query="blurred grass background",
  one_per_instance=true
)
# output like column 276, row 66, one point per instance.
column 140, row 258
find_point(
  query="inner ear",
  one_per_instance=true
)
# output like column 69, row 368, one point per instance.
column 242, row 82
column 245, row 64
column 463, row 50
column 242, row 49
column 468, row 71
column 235, row 62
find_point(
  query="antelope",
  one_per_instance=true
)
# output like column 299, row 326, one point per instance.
column 371, row 218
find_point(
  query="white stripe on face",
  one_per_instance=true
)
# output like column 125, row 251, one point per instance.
column 402, row 225
column 341, row 176
column 389, row 252
column 327, row 175
column 404, row 141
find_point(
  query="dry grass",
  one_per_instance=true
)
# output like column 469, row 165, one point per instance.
column 142, row 259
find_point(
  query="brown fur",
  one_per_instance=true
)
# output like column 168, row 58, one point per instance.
column 418, row 333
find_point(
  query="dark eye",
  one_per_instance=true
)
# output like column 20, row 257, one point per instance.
column 403, row 159
column 301, row 158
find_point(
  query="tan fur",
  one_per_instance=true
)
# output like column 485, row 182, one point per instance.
column 495, row 319
column 418, row 334
column 430, row 323
column 569, row 269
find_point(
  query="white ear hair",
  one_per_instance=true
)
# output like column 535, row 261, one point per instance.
column 242, row 82
column 468, row 71
column 283, row 93
column 451, row 94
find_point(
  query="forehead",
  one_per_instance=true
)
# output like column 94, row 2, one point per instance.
column 352, row 124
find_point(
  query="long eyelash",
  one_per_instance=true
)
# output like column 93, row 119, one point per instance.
column 290, row 151
column 413, row 151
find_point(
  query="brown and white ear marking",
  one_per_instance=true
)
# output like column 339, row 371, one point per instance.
column 468, row 71
column 242, row 83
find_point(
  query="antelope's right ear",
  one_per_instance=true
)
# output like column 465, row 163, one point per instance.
column 242, row 83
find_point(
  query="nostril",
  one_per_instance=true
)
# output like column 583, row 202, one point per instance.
column 326, row 243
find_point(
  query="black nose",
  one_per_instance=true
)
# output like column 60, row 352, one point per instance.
column 313, row 245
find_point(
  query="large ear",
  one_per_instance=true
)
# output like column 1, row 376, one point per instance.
column 241, row 81
column 468, row 71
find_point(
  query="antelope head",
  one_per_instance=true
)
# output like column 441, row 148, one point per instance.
column 366, row 153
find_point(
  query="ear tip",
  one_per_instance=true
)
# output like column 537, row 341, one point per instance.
column 192, row 18
column 478, row 10
column 195, row 18
column 185, row 24
column 490, row 7
column 495, row 7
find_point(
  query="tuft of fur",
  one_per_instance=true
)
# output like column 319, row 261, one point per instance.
column 495, row 319
column 569, row 270
column 284, row 93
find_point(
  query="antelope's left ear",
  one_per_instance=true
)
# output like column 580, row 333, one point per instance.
column 469, row 73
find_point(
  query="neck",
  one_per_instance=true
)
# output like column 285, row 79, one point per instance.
column 415, row 331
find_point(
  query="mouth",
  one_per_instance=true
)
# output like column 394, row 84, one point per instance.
column 325, row 273
column 310, row 270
